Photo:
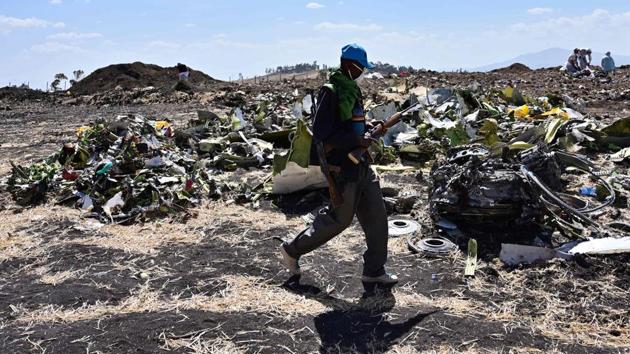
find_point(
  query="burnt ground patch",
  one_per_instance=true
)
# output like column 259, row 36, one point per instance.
column 196, row 269
column 590, row 292
column 93, row 277
column 232, row 249
column 357, row 330
column 51, row 230
column 242, row 249
column 155, row 332
column 374, row 324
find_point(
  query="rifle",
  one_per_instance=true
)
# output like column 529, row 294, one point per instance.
column 357, row 154
column 336, row 199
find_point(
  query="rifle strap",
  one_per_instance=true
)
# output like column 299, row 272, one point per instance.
column 333, row 168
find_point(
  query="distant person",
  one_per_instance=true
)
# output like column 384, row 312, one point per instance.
column 584, row 59
column 571, row 66
column 608, row 64
column 183, row 72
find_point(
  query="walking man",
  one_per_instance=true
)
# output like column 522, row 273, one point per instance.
column 339, row 124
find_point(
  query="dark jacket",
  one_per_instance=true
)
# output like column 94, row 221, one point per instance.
column 327, row 127
column 181, row 68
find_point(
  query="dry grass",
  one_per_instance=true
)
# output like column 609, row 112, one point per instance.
column 15, row 242
column 17, row 245
column 456, row 306
column 139, row 238
column 143, row 239
column 209, row 213
column 587, row 322
column 143, row 299
column 59, row 277
column 199, row 345
column 525, row 298
column 344, row 246
column 245, row 294
column 242, row 293
column 5, row 168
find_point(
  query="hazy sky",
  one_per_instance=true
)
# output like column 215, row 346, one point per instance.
column 42, row 37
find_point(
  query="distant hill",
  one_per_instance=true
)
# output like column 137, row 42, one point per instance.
column 548, row 58
column 129, row 76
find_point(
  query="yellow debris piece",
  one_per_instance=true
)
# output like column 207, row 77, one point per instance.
column 161, row 124
column 82, row 130
column 556, row 112
column 521, row 112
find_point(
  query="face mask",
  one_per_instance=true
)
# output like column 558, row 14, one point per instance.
column 360, row 78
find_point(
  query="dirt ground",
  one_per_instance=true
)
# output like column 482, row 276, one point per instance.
column 215, row 283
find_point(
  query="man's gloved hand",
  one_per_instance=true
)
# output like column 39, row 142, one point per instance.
column 374, row 123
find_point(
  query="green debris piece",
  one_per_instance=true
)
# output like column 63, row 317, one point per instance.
column 382, row 154
column 418, row 153
column 261, row 112
column 37, row 172
column 29, row 185
column 552, row 129
column 210, row 145
column 388, row 155
column 531, row 135
column 620, row 128
column 300, row 152
column 471, row 259
column 520, row 145
column 492, row 111
column 277, row 137
column 280, row 162
column 457, row 135
column 489, row 130
column 237, row 120
column 423, row 130
column 513, row 96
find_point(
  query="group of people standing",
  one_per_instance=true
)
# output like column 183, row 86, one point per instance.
column 579, row 63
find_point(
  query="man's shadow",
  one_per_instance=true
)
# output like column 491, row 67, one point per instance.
column 360, row 328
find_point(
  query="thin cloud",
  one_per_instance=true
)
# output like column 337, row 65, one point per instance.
column 55, row 47
column 163, row 45
column 314, row 5
column 540, row 10
column 31, row 22
column 598, row 19
column 55, row 2
column 7, row 24
column 74, row 36
column 347, row 27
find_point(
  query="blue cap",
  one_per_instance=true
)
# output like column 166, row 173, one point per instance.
column 357, row 53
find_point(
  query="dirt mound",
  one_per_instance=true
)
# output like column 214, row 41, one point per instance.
column 514, row 68
column 20, row 94
column 136, row 75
